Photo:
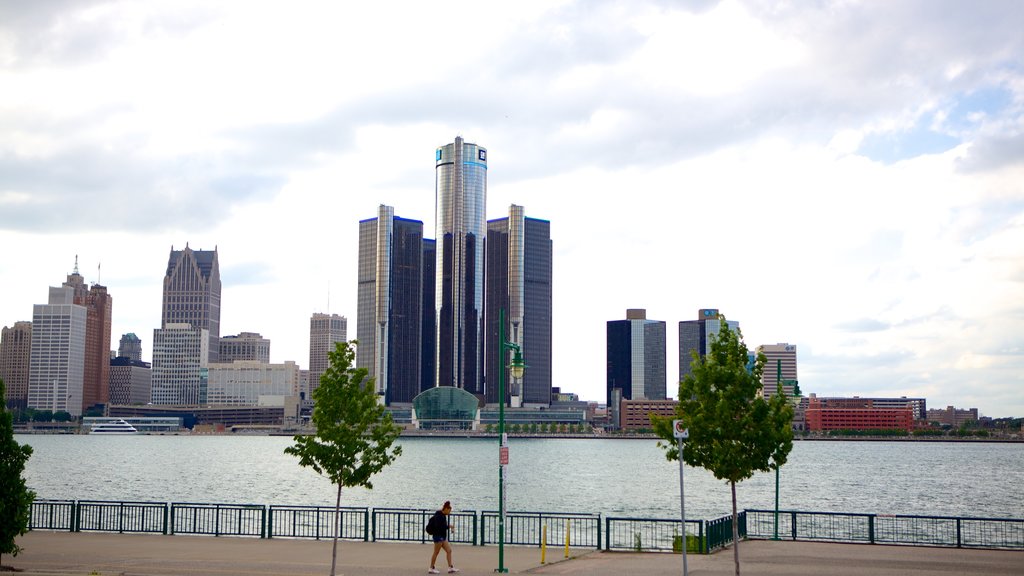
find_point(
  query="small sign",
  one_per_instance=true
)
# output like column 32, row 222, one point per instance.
column 503, row 455
column 678, row 431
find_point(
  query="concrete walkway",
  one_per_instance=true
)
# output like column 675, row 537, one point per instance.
column 99, row 554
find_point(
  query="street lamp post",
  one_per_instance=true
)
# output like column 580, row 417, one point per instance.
column 516, row 369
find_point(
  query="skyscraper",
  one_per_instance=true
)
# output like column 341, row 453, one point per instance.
column 697, row 335
column 130, row 347
column 99, row 306
column 192, row 294
column 518, row 267
column 779, row 356
column 461, row 187
column 248, row 346
column 325, row 330
column 15, row 355
column 390, row 311
column 180, row 368
column 635, row 358
column 57, row 360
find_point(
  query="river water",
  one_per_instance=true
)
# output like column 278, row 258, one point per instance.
column 614, row 477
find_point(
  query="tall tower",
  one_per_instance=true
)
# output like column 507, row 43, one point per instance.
column 461, row 170
column 518, row 266
column 57, row 360
column 192, row 294
column 130, row 347
column 180, row 373
column 99, row 305
column 779, row 356
column 15, row 354
column 697, row 335
column 635, row 358
column 325, row 330
column 390, row 312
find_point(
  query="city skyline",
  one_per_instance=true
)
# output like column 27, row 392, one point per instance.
column 841, row 177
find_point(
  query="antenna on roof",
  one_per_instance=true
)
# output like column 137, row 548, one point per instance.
column 76, row 263
column 99, row 277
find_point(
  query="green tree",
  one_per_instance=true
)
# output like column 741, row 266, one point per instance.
column 354, row 433
column 15, row 497
column 732, row 431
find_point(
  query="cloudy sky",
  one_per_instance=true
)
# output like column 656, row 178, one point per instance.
column 844, row 176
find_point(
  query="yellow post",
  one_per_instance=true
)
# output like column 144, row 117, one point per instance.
column 543, row 542
column 566, row 537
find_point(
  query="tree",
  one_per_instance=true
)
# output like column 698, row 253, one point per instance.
column 354, row 433
column 732, row 431
column 15, row 497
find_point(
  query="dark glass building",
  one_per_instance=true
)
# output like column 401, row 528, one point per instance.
column 693, row 337
column 519, row 274
column 635, row 358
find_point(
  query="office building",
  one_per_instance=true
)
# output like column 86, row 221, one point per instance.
column 130, row 381
column 99, row 306
column 180, row 374
column 697, row 335
column 461, row 187
column 635, row 358
column 57, row 359
column 15, row 355
column 248, row 346
column 428, row 326
column 390, row 308
column 781, row 358
column 192, row 294
column 130, row 347
column 252, row 383
column 325, row 330
column 518, row 268
column 826, row 414
column 955, row 417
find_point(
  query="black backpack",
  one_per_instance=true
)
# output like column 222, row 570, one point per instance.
column 432, row 526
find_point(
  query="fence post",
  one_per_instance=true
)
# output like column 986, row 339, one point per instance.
column 871, row 528
column 474, row 528
column 366, row 524
column 120, row 517
column 958, row 533
column 607, row 534
column 76, row 517
column 373, row 528
column 599, row 531
column 483, row 528
column 793, row 523
column 265, row 522
column 702, row 544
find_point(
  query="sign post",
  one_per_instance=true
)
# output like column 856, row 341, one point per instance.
column 681, row 434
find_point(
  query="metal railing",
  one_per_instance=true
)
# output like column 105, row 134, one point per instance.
column 219, row 519
column 910, row 530
column 653, row 534
column 100, row 516
column 53, row 515
column 409, row 525
column 525, row 528
column 318, row 522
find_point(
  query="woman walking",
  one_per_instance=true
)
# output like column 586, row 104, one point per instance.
column 438, row 528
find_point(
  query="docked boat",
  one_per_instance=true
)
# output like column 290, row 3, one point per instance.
column 113, row 428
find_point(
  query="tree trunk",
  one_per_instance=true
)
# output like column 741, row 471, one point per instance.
column 735, row 530
column 337, row 528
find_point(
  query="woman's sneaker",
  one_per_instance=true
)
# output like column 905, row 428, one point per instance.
column 433, row 571
column 453, row 570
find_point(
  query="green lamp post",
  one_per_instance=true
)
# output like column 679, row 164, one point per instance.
column 516, row 369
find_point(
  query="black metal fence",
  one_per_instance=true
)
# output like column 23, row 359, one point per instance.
column 909, row 530
column 522, row 528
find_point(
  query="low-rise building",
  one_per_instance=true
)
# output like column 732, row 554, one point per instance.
column 636, row 414
column 954, row 417
column 862, row 414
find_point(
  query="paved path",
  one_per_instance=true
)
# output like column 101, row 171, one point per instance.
column 98, row 554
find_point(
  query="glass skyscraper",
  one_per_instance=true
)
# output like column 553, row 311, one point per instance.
column 192, row 294
column 461, row 197
column 635, row 358
column 697, row 335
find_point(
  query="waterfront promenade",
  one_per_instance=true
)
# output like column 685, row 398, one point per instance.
column 103, row 554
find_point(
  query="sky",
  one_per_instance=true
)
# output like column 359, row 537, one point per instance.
column 844, row 176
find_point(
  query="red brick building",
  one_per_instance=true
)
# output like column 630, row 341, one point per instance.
column 636, row 414
column 856, row 414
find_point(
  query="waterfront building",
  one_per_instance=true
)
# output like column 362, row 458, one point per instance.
column 130, row 347
column 518, row 267
column 636, row 414
column 15, row 355
column 245, row 346
column 857, row 414
column 192, row 295
column 252, row 383
column 461, row 188
column 130, row 381
column 325, row 330
column 955, row 417
column 635, row 358
column 57, row 359
column 697, row 335
column 180, row 366
column 390, row 309
column 99, row 307
column 779, row 356
column 917, row 406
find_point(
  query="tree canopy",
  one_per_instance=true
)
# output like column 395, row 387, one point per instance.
column 15, row 497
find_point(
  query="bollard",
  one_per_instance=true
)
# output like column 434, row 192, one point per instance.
column 567, row 538
column 543, row 542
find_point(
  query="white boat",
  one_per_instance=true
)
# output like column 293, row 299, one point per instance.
column 113, row 428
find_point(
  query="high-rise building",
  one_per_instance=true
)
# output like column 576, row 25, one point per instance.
column 99, row 305
column 57, row 360
column 180, row 366
column 697, row 335
column 248, row 346
column 636, row 358
column 428, row 326
column 518, row 267
column 325, row 330
column 251, row 383
column 130, row 347
column 390, row 311
column 781, row 357
column 192, row 294
column 461, row 187
column 15, row 355
column 130, row 381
